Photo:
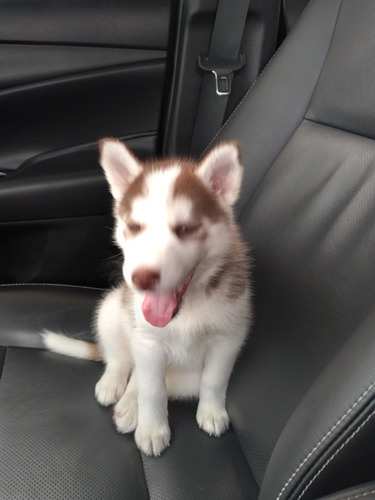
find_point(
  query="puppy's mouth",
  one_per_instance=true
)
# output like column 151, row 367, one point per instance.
column 159, row 308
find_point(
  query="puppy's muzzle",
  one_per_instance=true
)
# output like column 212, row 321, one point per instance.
column 145, row 279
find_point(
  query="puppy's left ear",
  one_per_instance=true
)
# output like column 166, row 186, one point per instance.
column 221, row 170
column 120, row 165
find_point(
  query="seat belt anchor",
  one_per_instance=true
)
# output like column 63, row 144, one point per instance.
column 222, row 70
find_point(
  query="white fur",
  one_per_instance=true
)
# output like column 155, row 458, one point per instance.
column 193, row 356
column 113, row 158
column 219, row 170
column 61, row 344
column 157, row 213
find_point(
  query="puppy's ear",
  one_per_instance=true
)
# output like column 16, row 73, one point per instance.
column 221, row 170
column 120, row 166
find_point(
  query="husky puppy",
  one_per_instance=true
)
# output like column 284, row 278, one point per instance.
column 176, row 324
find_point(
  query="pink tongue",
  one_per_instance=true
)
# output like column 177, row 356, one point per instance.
column 158, row 308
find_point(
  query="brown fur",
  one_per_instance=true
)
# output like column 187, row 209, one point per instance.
column 232, row 271
column 187, row 185
column 205, row 204
column 136, row 188
column 94, row 352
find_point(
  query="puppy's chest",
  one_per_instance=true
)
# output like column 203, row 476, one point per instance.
column 185, row 348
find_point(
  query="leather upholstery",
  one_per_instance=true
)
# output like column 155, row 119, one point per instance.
column 302, row 396
column 362, row 492
column 28, row 309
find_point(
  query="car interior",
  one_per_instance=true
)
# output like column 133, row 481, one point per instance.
column 293, row 82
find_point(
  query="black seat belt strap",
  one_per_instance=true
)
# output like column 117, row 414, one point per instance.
column 219, row 64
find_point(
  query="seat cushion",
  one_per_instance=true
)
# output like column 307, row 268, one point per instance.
column 59, row 443
column 27, row 309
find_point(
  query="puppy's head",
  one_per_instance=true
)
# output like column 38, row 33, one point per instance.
column 171, row 218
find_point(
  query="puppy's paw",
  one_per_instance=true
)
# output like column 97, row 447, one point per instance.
column 126, row 413
column 152, row 440
column 110, row 388
column 212, row 419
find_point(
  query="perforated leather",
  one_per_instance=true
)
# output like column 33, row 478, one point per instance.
column 302, row 396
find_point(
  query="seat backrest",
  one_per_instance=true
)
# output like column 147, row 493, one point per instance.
column 302, row 398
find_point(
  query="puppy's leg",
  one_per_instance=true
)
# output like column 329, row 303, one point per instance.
column 221, row 354
column 152, row 434
column 126, row 410
column 114, row 346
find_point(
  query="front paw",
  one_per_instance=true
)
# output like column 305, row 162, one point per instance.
column 126, row 413
column 153, row 440
column 212, row 419
column 110, row 388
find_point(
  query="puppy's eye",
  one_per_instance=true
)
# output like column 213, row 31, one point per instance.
column 185, row 230
column 134, row 228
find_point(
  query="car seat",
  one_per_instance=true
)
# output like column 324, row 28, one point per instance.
column 302, row 395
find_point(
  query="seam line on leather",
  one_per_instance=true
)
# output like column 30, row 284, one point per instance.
column 333, row 456
column 3, row 285
column 230, row 117
column 255, row 82
column 360, row 495
column 325, row 437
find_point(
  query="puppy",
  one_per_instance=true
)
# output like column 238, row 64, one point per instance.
column 176, row 324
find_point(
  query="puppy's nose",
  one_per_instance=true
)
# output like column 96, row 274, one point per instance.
column 145, row 279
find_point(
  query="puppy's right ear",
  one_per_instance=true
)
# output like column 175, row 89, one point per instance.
column 120, row 166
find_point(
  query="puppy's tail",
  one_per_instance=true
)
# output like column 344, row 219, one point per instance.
column 68, row 346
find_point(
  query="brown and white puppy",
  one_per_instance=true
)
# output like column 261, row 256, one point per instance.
column 176, row 324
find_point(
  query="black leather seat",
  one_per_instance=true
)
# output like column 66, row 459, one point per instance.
column 302, row 396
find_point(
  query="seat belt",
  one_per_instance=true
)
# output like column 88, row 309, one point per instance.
column 219, row 65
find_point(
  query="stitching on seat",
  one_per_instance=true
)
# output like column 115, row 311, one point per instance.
column 82, row 287
column 255, row 82
column 332, row 457
column 230, row 117
column 360, row 495
column 324, row 438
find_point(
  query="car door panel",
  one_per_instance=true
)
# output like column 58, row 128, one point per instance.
column 71, row 73
column 140, row 23
column 25, row 63
column 79, row 109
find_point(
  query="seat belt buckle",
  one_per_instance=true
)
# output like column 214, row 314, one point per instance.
column 223, row 82
column 222, row 70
